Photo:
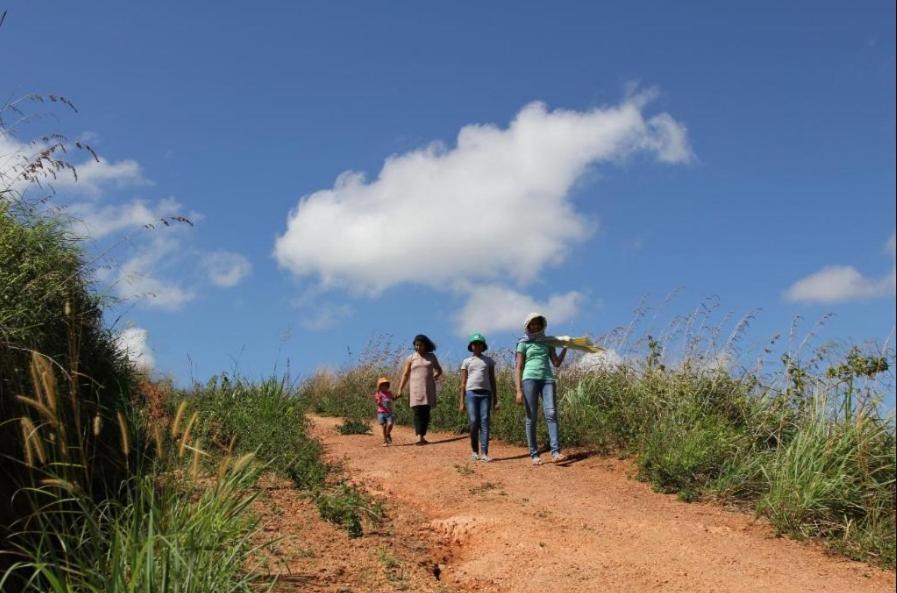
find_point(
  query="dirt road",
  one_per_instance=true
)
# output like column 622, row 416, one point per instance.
column 577, row 527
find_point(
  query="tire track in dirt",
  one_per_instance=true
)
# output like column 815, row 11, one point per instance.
column 581, row 526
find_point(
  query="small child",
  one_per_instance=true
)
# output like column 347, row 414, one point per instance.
column 384, row 399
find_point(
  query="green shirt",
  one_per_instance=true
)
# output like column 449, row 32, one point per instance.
column 537, row 360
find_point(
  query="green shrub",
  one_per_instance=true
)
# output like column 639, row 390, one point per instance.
column 835, row 478
column 266, row 418
column 348, row 505
column 351, row 426
column 685, row 452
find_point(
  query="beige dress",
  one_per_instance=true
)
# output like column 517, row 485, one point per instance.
column 422, row 384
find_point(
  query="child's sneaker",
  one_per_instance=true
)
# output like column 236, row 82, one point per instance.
column 485, row 458
column 558, row 457
column 536, row 460
column 474, row 457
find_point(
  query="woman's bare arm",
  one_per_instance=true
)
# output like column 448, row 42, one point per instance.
column 463, row 377
column 437, row 370
column 406, row 372
column 494, row 384
column 555, row 359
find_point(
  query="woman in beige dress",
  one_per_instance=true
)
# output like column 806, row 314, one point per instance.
column 420, row 373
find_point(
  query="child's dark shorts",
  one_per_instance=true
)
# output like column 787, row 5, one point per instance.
column 385, row 418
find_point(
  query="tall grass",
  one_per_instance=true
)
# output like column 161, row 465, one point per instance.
column 159, row 538
column 47, row 306
column 835, row 477
column 98, row 495
column 804, row 444
column 268, row 419
column 177, row 524
column 264, row 418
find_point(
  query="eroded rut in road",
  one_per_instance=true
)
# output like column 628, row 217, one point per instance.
column 581, row 526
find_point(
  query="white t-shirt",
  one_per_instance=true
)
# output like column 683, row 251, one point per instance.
column 477, row 368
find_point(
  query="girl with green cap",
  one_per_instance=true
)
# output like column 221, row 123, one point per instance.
column 479, row 393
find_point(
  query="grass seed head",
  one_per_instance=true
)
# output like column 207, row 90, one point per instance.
column 44, row 411
column 222, row 468
column 123, row 432
column 44, row 379
column 60, row 483
column 242, row 462
column 185, row 438
column 178, row 417
column 27, row 437
column 194, row 467
column 157, row 437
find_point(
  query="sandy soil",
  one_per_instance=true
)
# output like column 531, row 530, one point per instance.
column 581, row 526
column 313, row 556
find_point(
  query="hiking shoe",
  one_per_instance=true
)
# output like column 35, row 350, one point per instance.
column 537, row 461
column 558, row 457
column 474, row 457
column 485, row 458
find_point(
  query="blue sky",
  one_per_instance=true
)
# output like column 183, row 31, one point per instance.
column 609, row 153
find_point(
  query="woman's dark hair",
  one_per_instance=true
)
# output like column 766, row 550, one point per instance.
column 429, row 346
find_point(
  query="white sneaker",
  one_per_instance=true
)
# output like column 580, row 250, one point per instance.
column 485, row 458
column 537, row 461
column 558, row 457
column 474, row 457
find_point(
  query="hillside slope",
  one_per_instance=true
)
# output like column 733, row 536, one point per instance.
column 578, row 527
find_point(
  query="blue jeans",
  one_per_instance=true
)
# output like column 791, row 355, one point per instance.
column 479, row 403
column 532, row 388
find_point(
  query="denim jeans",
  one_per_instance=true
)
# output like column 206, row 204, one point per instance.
column 532, row 388
column 479, row 403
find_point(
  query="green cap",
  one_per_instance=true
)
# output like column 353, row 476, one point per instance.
column 477, row 337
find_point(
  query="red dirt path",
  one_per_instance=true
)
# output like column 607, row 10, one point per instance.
column 582, row 526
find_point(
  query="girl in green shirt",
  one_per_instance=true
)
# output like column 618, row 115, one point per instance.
column 535, row 378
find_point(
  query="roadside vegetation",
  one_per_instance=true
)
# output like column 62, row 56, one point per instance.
column 801, row 441
column 118, row 483
column 113, row 482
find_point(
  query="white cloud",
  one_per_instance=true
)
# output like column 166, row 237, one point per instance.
column 719, row 361
column 496, row 205
column 151, row 259
column 317, row 313
column 839, row 284
column 498, row 308
column 93, row 176
column 136, row 280
column 97, row 222
column 226, row 268
column 605, row 360
column 134, row 343
column 324, row 316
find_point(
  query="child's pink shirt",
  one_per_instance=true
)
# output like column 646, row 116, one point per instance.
column 384, row 402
